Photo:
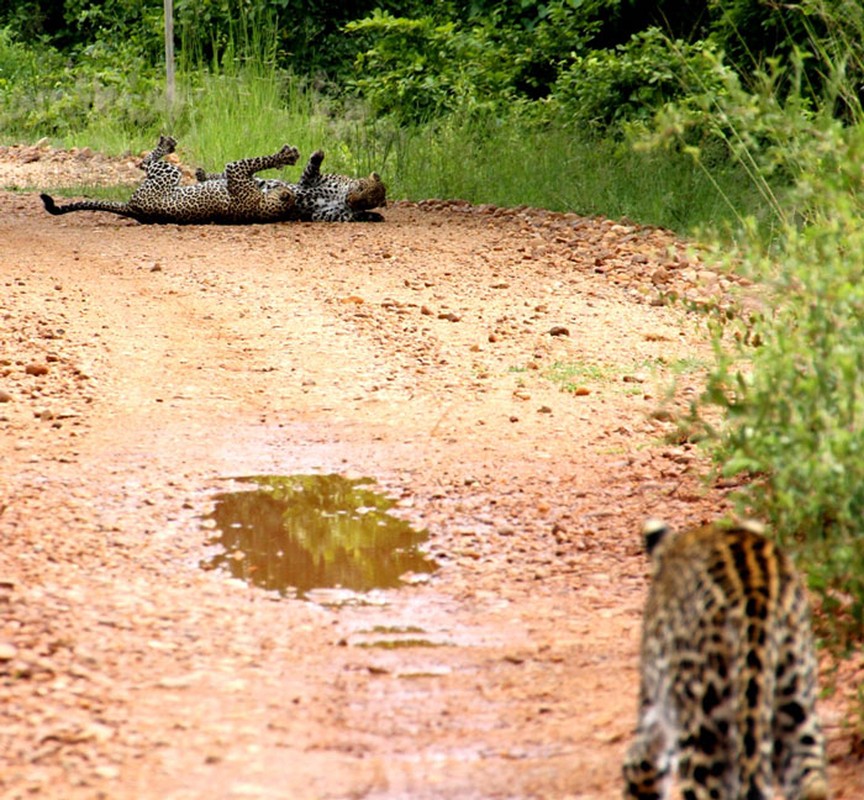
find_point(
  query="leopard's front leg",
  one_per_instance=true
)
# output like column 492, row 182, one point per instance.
column 202, row 176
column 312, row 170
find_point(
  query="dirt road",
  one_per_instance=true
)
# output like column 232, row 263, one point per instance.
column 494, row 371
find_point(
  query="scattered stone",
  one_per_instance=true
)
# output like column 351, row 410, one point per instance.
column 559, row 330
column 7, row 651
column 36, row 369
column 661, row 276
column 107, row 771
column 179, row 682
column 5, row 397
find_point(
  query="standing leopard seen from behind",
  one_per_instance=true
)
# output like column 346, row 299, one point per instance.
column 728, row 672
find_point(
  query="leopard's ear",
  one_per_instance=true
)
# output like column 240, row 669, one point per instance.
column 653, row 531
column 753, row 526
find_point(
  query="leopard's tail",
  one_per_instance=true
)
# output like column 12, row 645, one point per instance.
column 112, row 206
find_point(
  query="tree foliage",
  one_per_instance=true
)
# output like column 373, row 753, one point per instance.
column 411, row 60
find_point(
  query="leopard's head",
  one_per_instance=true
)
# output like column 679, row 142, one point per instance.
column 367, row 193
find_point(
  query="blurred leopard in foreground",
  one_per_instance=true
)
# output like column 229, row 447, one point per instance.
column 728, row 672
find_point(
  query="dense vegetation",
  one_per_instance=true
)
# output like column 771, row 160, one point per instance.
column 742, row 119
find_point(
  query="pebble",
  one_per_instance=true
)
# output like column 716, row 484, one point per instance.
column 107, row 771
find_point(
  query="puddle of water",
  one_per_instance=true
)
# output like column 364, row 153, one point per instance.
column 300, row 533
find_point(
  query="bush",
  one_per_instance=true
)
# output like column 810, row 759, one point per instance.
column 608, row 90
column 790, row 377
column 419, row 69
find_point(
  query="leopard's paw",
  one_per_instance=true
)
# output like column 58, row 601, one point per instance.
column 289, row 154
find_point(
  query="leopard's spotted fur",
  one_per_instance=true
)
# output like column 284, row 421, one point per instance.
column 327, row 197
column 237, row 198
column 729, row 676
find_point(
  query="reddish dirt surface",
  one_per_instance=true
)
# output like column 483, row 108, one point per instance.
column 141, row 367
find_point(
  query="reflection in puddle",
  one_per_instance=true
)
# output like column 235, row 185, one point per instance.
column 303, row 532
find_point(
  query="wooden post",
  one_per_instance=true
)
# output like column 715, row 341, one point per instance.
column 169, row 59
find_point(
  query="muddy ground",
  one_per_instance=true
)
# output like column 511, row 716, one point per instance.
column 142, row 368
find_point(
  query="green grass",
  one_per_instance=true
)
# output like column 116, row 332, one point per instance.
column 572, row 376
column 231, row 116
column 506, row 163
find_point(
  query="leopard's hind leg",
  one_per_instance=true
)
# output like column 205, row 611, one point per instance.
column 799, row 745
column 651, row 761
column 165, row 146
column 156, row 169
column 238, row 174
column 241, row 171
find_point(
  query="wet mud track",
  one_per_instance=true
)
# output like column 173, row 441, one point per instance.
column 494, row 372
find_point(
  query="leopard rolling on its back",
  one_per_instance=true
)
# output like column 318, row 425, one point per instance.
column 325, row 197
column 329, row 197
column 237, row 198
column 728, row 672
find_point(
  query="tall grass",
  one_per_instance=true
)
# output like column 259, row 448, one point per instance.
column 240, row 110
column 506, row 162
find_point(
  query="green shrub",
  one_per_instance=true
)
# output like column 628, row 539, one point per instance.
column 607, row 90
column 44, row 94
column 789, row 375
column 419, row 69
